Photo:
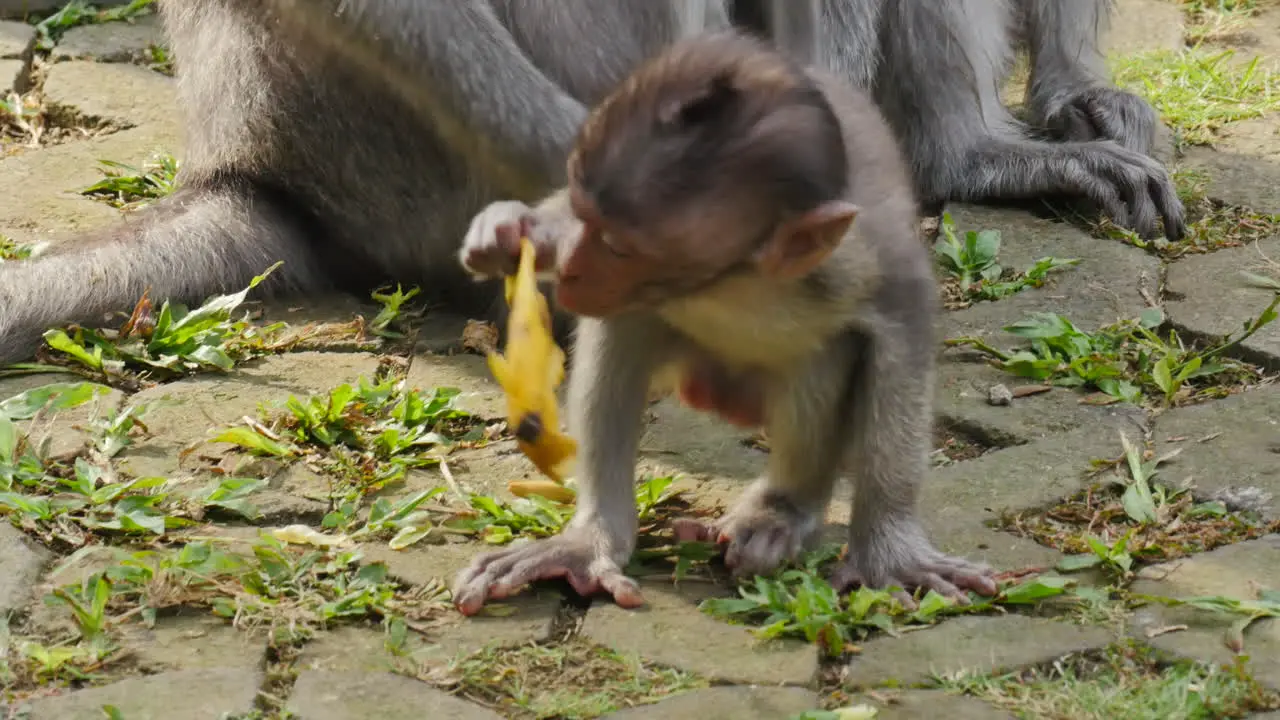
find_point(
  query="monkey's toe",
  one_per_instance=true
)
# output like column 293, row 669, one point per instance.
column 943, row 574
column 505, row 573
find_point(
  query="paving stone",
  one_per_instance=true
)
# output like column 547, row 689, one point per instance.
column 110, row 42
column 1264, row 38
column 9, row 72
column 523, row 618
column 698, row 444
column 203, row 694
column 659, row 631
column 1238, row 178
column 193, row 640
column 725, row 703
column 1246, row 453
column 1205, row 295
column 1104, row 287
column 1234, row 571
column 120, row 92
column 185, row 412
column 15, row 38
column 441, row 332
column 930, row 704
column 964, row 379
column 1144, row 25
column 359, row 696
column 1020, row 477
column 971, row 644
column 21, row 561
column 42, row 187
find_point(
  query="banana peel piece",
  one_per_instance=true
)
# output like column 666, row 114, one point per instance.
column 543, row 488
column 530, row 371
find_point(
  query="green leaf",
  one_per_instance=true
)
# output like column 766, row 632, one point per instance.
column 1162, row 375
column 408, row 536
column 1151, row 318
column 253, row 441
column 54, row 396
column 60, row 341
column 1035, row 590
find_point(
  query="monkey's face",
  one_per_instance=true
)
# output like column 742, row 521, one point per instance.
column 616, row 266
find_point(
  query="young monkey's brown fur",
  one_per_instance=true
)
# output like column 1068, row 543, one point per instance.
column 750, row 223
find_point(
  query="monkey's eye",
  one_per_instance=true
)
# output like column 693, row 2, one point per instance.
column 612, row 246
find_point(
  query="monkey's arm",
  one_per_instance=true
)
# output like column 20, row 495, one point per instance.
column 1070, row 92
column 613, row 362
column 455, row 62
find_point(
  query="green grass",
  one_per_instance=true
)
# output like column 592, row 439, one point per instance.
column 1198, row 92
column 130, row 188
column 1209, row 21
column 1125, row 683
column 79, row 12
column 13, row 250
column 1128, row 361
column 570, row 680
column 972, row 272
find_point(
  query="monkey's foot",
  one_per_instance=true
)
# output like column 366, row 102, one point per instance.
column 910, row 562
column 761, row 532
column 1103, row 113
column 571, row 555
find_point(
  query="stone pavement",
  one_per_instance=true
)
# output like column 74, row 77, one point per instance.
column 1029, row 454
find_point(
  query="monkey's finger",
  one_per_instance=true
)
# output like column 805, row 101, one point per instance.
column 470, row 596
column 929, row 580
column 764, row 551
column 693, row 530
column 1073, row 123
column 733, row 554
column 978, row 581
column 625, row 591
column 1172, row 214
column 904, row 598
column 1144, row 214
column 1096, row 185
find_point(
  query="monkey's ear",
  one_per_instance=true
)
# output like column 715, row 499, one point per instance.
column 801, row 244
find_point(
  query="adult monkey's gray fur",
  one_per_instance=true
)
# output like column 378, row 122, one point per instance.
column 355, row 140
column 935, row 68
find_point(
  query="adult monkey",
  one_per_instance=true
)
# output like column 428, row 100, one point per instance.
column 354, row 140
column 935, row 68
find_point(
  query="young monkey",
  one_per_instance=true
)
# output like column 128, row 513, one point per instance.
column 750, row 222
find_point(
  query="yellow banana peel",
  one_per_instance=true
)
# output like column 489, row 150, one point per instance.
column 530, row 371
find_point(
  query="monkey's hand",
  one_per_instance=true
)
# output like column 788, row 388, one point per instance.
column 762, row 531
column 579, row 554
column 897, row 553
column 492, row 244
column 1102, row 113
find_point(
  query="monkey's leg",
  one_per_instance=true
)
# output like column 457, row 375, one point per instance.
column 1069, row 92
column 613, row 362
column 890, row 437
column 193, row 244
column 776, row 517
column 1133, row 189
